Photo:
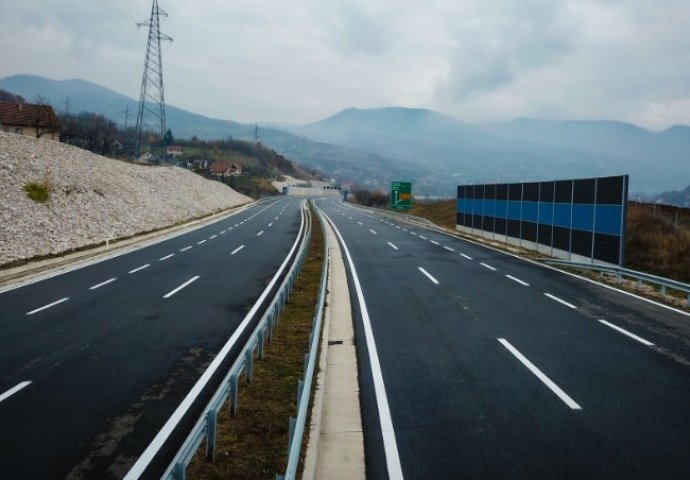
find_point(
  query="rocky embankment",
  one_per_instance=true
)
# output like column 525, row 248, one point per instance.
column 91, row 198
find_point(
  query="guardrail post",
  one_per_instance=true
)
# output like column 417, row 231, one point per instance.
column 639, row 283
column 233, row 394
column 663, row 290
column 180, row 471
column 249, row 365
column 211, row 424
column 619, row 277
column 261, row 343
column 291, row 431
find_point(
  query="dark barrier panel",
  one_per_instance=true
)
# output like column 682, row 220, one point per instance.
column 581, row 219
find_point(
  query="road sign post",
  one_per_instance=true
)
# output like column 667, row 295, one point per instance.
column 401, row 195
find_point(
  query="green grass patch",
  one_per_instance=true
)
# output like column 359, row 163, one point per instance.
column 253, row 445
column 37, row 191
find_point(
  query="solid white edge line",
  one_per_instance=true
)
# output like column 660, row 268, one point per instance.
column 166, row 257
column 140, row 268
column 173, row 292
column 237, row 250
column 493, row 269
column 629, row 334
column 145, row 458
column 540, row 375
column 429, row 276
column 562, row 302
column 392, row 246
column 515, row 279
column 44, row 307
column 14, row 390
column 99, row 285
column 390, row 445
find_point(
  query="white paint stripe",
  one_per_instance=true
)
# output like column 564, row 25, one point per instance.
column 450, row 249
column 392, row 246
column 140, row 268
column 102, row 284
column 629, row 334
column 186, row 248
column 372, row 231
column 166, row 257
column 145, row 458
column 487, row 266
column 200, row 242
column 276, row 218
column 44, row 307
column 390, row 446
column 429, row 276
column 398, row 227
column 540, row 375
column 236, row 225
column 185, row 284
column 413, row 233
column 212, row 237
column 359, row 223
column 222, row 232
column 14, row 390
column 562, row 302
column 237, row 249
column 270, row 224
column 405, row 230
column 435, row 242
column 518, row 280
column 466, row 256
column 260, row 233
column 422, row 237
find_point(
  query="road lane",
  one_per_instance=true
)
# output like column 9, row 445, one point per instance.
column 462, row 406
column 109, row 364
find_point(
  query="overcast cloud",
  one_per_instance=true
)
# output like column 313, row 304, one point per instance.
column 302, row 60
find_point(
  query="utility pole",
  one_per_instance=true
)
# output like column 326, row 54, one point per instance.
column 152, row 99
column 67, row 103
column 126, row 112
column 256, row 133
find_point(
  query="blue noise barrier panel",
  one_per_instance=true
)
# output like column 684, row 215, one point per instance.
column 579, row 219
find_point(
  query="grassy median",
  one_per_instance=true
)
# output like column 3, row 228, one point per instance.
column 253, row 445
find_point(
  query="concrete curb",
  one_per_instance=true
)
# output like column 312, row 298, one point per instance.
column 336, row 441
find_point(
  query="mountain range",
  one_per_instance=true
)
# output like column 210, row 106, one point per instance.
column 371, row 147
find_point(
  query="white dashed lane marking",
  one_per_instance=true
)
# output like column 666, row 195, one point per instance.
column 45, row 307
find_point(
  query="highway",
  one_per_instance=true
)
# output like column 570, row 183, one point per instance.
column 477, row 364
column 94, row 361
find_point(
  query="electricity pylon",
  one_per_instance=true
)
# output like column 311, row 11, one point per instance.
column 152, row 99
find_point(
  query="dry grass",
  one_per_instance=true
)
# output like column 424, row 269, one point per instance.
column 253, row 445
column 654, row 244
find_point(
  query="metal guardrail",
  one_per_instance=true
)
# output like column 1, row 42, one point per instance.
column 205, row 426
column 621, row 272
column 297, row 424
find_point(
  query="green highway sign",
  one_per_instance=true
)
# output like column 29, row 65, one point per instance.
column 401, row 195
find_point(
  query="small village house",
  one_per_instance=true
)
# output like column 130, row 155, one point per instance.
column 33, row 120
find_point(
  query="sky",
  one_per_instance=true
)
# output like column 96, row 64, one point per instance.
column 299, row 61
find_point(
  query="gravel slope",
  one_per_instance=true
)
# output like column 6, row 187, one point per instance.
column 92, row 198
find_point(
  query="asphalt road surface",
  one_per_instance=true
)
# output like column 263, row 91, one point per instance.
column 477, row 364
column 94, row 361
